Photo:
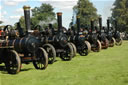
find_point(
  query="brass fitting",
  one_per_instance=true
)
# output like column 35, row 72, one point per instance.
column 59, row 13
column 77, row 16
column 26, row 7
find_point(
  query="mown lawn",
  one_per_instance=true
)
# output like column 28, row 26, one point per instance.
column 108, row 67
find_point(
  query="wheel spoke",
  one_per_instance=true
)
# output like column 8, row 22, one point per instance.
column 40, row 63
column 13, row 62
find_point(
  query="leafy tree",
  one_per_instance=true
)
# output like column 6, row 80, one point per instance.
column 120, row 13
column 2, row 25
column 1, row 22
column 43, row 15
column 86, row 11
column 22, row 23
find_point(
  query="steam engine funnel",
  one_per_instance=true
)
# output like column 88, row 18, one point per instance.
column 92, row 25
column 78, row 25
column 72, row 28
column 27, row 18
column 21, row 33
column 100, row 23
column 59, row 19
column 50, row 26
column 108, row 25
column 115, row 26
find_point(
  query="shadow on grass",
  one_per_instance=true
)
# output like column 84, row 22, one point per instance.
column 4, row 71
column 25, row 69
column 2, row 68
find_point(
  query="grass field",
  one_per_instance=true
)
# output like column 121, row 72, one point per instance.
column 108, row 67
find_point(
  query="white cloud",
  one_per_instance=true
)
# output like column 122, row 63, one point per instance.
column 6, row 21
column 9, row 20
column 15, row 17
column 1, row 16
column 107, row 12
column 1, row 7
column 64, row 6
column 20, row 1
column 19, row 11
column 4, row 13
column 13, row 2
column 61, row 5
column 58, row 0
column 10, row 3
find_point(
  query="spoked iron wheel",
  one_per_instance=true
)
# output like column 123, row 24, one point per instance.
column 88, row 46
column 41, row 60
column 51, row 53
column 119, row 42
column 68, row 54
column 98, row 46
column 13, row 62
column 83, row 52
column 85, row 49
column 74, row 49
column 105, row 44
column 112, row 42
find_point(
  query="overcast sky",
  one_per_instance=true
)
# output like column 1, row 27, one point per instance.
column 11, row 10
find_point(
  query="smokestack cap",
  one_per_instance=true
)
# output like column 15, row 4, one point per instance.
column 59, row 13
column 26, row 7
column 100, row 17
column 77, row 16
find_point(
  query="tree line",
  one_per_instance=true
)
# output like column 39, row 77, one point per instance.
column 45, row 14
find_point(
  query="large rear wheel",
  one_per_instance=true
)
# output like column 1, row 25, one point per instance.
column 41, row 59
column 88, row 46
column 84, row 48
column 105, row 44
column 74, row 49
column 112, row 42
column 119, row 42
column 68, row 53
column 13, row 62
column 98, row 46
column 51, row 53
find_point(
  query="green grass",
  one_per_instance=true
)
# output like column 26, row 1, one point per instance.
column 108, row 67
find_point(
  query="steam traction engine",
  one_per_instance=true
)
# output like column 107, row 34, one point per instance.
column 79, row 39
column 65, row 31
column 8, row 55
column 40, row 38
column 27, row 47
column 102, row 36
column 110, row 37
column 43, row 43
column 93, row 39
column 117, row 35
column 59, row 40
